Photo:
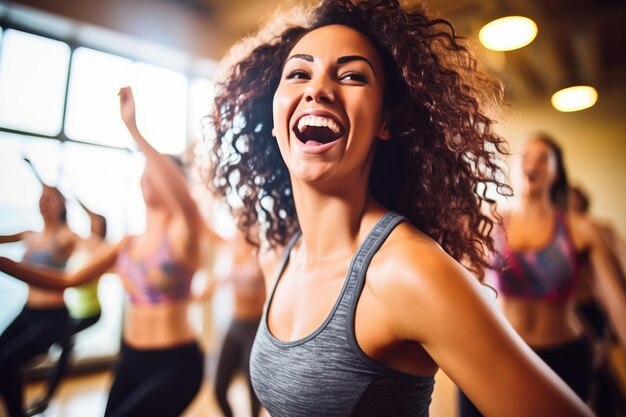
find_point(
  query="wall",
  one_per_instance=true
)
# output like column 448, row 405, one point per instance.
column 594, row 144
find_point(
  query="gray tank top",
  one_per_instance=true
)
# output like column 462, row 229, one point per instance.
column 326, row 373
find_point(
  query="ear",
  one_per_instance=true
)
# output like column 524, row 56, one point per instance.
column 383, row 131
column 274, row 132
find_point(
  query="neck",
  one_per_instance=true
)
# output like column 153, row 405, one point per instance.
column 535, row 204
column 52, row 224
column 332, row 224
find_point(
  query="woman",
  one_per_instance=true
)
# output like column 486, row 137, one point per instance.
column 543, row 249
column 357, row 139
column 161, row 364
column 238, row 267
column 81, row 301
column 44, row 318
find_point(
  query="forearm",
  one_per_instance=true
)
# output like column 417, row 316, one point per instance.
column 11, row 238
column 39, row 276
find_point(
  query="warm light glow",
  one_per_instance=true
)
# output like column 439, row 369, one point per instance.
column 575, row 98
column 508, row 33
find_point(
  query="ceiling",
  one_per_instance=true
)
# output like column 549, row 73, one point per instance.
column 579, row 41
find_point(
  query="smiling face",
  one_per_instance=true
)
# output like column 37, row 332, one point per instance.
column 328, row 107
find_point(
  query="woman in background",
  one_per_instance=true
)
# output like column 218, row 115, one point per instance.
column 82, row 303
column 542, row 247
column 237, row 267
column 44, row 318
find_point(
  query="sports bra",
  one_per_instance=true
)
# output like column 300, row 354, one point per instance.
column 156, row 279
column 549, row 273
column 48, row 256
column 326, row 373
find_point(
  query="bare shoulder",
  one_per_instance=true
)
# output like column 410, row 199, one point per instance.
column 68, row 238
column 418, row 279
column 413, row 259
column 584, row 232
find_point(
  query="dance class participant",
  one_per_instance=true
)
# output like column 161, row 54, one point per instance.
column 356, row 140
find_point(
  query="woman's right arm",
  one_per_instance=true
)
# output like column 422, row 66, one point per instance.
column 58, row 279
column 16, row 237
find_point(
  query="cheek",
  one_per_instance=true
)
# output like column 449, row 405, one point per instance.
column 281, row 107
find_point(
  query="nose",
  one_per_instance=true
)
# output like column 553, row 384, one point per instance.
column 320, row 90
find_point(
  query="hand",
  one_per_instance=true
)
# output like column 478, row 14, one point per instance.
column 127, row 107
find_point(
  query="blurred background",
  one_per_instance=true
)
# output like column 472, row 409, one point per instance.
column 62, row 63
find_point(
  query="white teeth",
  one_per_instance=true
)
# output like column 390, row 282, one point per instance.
column 318, row 121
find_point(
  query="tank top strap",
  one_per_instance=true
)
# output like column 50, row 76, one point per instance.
column 361, row 261
column 283, row 265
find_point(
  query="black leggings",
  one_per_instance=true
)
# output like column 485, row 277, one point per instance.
column 31, row 333
column 235, row 356
column 159, row 382
column 572, row 361
column 67, row 345
column 606, row 398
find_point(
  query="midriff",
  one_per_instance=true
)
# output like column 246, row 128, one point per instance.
column 155, row 326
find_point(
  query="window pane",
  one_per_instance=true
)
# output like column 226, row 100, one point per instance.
column 93, row 113
column 33, row 73
column 106, row 181
column 161, row 97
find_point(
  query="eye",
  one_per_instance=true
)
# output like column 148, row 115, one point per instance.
column 353, row 76
column 297, row 74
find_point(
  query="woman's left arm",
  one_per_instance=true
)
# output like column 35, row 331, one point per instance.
column 443, row 307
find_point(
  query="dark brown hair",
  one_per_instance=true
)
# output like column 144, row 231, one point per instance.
column 442, row 153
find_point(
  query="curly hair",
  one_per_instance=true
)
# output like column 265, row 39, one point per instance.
column 443, row 151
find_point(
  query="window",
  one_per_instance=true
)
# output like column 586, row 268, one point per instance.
column 33, row 75
column 59, row 108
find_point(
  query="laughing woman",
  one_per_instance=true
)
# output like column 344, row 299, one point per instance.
column 357, row 140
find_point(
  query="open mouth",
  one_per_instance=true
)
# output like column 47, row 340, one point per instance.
column 317, row 130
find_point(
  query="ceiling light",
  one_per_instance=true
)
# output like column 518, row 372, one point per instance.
column 508, row 33
column 575, row 98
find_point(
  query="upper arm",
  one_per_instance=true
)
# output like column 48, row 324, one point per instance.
column 607, row 281
column 460, row 327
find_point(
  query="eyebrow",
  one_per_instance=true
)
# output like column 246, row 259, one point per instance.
column 340, row 60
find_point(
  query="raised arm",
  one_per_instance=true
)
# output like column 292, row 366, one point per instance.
column 441, row 306
column 162, row 170
column 59, row 279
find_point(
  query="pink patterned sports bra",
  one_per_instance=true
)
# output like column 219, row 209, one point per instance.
column 158, row 278
column 549, row 273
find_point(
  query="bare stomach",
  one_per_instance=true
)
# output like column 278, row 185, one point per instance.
column 248, row 306
column 541, row 323
column 40, row 298
column 157, row 326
